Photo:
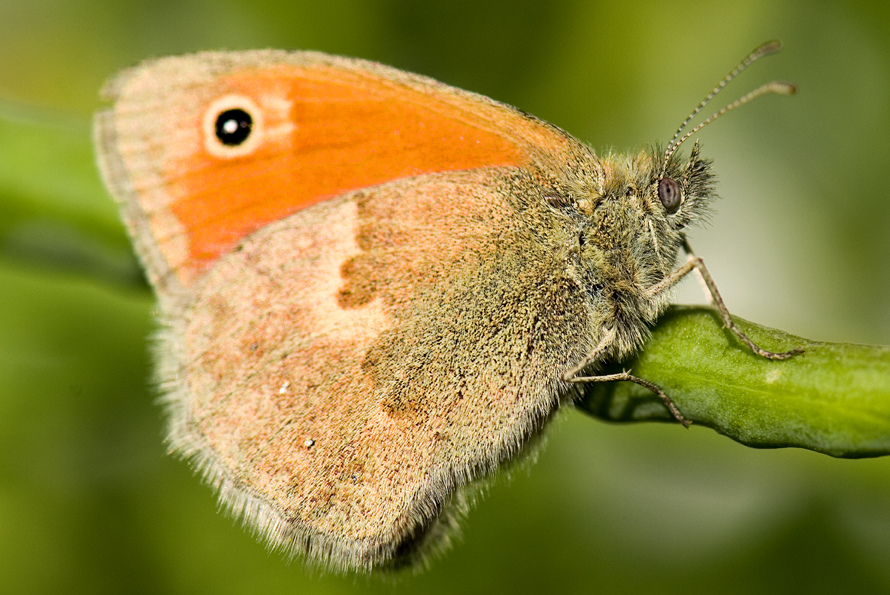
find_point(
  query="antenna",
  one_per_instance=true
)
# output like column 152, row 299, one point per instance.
column 779, row 87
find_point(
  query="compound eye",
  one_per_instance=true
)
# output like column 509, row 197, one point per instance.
column 669, row 195
column 233, row 126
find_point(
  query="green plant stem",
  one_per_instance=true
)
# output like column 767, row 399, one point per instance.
column 834, row 398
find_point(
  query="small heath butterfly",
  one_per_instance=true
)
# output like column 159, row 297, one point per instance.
column 375, row 288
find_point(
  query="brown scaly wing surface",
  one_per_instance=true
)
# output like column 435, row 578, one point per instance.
column 361, row 312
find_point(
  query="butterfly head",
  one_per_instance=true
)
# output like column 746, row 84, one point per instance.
column 635, row 215
column 636, row 207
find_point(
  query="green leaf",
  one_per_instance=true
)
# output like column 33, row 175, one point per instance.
column 834, row 398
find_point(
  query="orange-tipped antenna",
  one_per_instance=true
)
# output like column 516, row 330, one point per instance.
column 782, row 88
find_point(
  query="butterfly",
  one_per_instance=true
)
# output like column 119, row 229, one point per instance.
column 375, row 288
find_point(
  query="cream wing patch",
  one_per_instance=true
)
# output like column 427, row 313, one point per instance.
column 272, row 363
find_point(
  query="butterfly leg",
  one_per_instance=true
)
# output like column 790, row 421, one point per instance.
column 625, row 375
column 694, row 263
column 604, row 344
column 698, row 274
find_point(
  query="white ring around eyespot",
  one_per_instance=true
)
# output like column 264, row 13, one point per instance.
column 213, row 145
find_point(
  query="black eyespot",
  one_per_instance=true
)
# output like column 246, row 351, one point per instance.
column 233, row 126
column 669, row 195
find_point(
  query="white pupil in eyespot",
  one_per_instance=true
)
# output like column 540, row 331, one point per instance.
column 230, row 126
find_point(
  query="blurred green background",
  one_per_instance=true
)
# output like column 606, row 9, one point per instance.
column 90, row 503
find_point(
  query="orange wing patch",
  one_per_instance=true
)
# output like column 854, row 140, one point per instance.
column 346, row 131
